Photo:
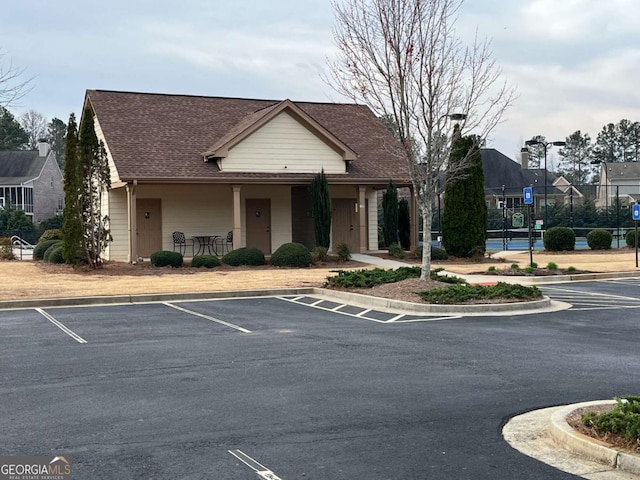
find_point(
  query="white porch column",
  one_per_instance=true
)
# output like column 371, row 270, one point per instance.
column 237, row 217
column 362, row 214
column 132, row 221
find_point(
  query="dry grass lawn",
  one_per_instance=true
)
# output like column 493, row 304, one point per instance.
column 30, row 280
column 602, row 261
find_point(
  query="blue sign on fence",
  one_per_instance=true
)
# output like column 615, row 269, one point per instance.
column 527, row 193
column 635, row 211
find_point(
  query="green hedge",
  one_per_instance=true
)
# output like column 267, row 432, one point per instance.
column 291, row 255
column 558, row 239
column 464, row 293
column 53, row 234
column 599, row 239
column 165, row 258
column 206, row 261
column 54, row 254
column 630, row 238
column 41, row 248
column 244, row 256
column 436, row 253
column 623, row 419
column 49, row 251
column 370, row 278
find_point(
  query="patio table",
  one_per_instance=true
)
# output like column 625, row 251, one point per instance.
column 205, row 242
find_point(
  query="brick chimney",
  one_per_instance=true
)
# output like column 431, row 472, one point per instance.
column 524, row 158
column 43, row 147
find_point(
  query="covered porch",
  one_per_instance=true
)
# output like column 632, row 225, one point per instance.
column 144, row 215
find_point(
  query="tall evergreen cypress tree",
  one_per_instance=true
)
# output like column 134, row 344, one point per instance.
column 464, row 220
column 72, row 241
column 404, row 224
column 95, row 180
column 321, row 209
column 390, row 214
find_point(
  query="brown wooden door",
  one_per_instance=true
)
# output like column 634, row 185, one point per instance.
column 259, row 223
column 149, row 226
column 345, row 224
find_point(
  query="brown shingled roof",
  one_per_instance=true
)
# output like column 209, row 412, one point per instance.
column 158, row 136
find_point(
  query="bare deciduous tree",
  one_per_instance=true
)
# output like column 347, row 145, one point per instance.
column 12, row 88
column 405, row 60
column 35, row 124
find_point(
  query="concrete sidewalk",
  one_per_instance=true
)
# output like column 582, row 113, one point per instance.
column 475, row 278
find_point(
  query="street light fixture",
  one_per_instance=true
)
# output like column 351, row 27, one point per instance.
column 546, row 146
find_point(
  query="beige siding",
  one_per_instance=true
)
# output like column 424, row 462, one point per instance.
column 372, row 228
column 283, row 146
column 116, row 209
column 192, row 209
column 280, row 212
column 112, row 166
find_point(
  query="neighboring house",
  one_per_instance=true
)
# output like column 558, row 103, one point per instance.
column 501, row 170
column 618, row 179
column 31, row 180
column 505, row 179
column 212, row 165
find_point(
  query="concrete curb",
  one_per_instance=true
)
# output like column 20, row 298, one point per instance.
column 352, row 298
column 420, row 308
column 533, row 280
column 148, row 298
column 593, row 449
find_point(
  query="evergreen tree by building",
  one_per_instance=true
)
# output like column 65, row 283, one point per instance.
column 72, row 242
column 464, row 219
column 404, row 224
column 390, row 214
column 321, row 209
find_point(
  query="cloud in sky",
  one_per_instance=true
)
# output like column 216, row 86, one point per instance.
column 575, row 62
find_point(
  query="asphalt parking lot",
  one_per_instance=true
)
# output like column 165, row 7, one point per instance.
column 279, row 388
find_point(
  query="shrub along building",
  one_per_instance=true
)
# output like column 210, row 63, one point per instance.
column 212, row 165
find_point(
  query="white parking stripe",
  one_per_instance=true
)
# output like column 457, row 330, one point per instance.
column 590, row 294
column 254, row 465
column 207, row 317
column 428, row 319
column 66, row 330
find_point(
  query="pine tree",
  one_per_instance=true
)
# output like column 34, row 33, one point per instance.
column 72, row 241
column 12, row 135
column 321, row 209
column 390, row 214
column 56, row 134
column 576, row 158
column 464, row 220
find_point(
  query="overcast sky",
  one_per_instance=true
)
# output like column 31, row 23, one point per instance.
column 575, row 63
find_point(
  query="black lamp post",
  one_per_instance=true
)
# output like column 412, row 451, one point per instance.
column 546, row 146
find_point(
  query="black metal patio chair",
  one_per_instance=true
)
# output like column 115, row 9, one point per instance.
column 180, row 241
column 224, row 244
